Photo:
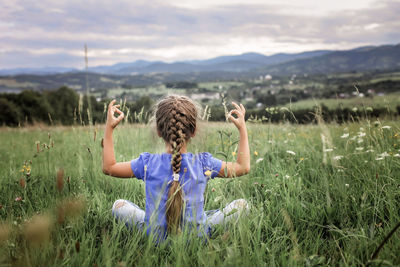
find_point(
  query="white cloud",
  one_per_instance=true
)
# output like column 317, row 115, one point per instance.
column 371, row 26
column 309, row 7
column 181, row 30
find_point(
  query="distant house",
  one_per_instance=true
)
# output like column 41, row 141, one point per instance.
column 204, row 96
column 268, row 77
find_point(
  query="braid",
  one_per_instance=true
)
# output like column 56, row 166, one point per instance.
column 176, row 123
column 175, row 198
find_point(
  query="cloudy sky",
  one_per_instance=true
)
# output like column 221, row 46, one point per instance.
column 53, row 32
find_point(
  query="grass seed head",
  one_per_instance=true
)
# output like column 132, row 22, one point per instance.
column 22, row 182
column 37, row 146
column 77, row 246
column 225, row 236
column 60, row 180
column 70, row 208
column 37, row 229
column 5, row 231
column 61, row 254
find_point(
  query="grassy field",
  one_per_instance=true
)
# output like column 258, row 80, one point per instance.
column 319, row 195
column 389, row 101
column 159, row 91
column 218, row 86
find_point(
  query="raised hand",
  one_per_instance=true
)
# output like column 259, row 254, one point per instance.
column 112, row 120
column 239, row 111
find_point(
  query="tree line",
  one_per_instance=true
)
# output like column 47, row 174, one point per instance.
column 61, row 107
column 66, row 107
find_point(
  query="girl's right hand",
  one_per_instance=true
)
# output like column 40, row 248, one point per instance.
column 239, row 111
column 112, row 120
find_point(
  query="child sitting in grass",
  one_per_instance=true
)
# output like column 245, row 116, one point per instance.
column 175, row 180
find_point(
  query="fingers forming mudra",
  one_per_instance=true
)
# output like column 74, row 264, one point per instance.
column 113, row 120
column 239, row 111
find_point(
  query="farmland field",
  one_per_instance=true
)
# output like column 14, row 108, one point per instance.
column 389, row 101
column 322, row 194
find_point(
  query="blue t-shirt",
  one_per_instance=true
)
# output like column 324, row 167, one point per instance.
column 156, row 171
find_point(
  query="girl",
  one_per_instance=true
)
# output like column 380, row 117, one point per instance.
column 175, row 180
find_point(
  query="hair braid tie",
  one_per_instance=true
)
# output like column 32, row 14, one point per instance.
column 176, row 177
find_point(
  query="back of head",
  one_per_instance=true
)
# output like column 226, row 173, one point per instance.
column 176, row 119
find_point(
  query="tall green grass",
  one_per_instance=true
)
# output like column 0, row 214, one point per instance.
column 317, row 196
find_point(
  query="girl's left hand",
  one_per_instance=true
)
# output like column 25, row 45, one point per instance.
column 239, row 111
column 112, row 120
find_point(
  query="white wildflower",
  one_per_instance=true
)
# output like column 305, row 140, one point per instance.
column 328, row 150
column 384, row 155
column 361, row 134
column 359, row 148
column 287, row 176
column 345, row 135
column 337, row 157
column 347, row 185
column 259, row 160
column 218, row 199
column 360, row 140
column 290, row 152
column 396, row 155
column 386, row 127
column 369, row 151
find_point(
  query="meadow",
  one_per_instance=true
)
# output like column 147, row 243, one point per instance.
column 389, row 102
column 320, row 194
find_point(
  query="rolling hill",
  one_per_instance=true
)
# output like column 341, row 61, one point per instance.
column 360, row 59
column 245, row 66
column 232, row 63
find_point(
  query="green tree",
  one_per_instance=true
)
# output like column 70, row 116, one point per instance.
column 34, row 106
column 10, row 114
column 65, row 102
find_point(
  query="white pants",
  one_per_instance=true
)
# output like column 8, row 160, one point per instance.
column 131, row 214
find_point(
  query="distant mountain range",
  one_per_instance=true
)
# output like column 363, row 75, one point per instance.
column 236, row 63
column 359, row 59
column 236, row 67
column 37, row 71
column 320, row 61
